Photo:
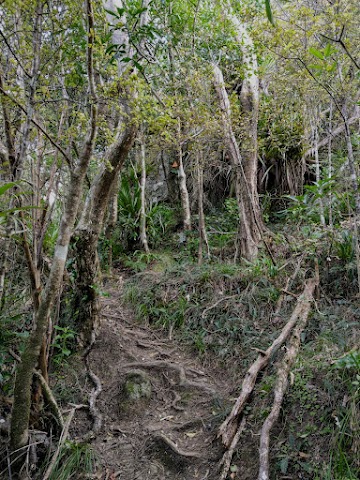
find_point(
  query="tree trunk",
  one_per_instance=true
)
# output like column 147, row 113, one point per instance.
column 143, row 236
column 202, row 229
column 87, row 233
column 184, row 193
column 86, row 238
column 245, row 185
column 250, row 229
column 111, row 220
column 315, row 142
column 19, row 428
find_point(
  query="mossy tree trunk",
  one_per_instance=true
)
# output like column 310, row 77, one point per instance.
column 88, row 230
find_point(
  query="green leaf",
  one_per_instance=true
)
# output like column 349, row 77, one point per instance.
column 138, row 66
column 269, row 12
column 110, row 12
column 284, row 463
column 327, row 50
column 316, row 53
column 4, row 188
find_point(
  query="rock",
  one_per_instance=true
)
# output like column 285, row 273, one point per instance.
column 137, row 386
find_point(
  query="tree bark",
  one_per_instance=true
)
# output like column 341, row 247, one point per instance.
column 111, row 221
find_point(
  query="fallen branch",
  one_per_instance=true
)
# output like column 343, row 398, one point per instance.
column 229, row 427
column 280, row 389
column 183, row 381
column 63, row 437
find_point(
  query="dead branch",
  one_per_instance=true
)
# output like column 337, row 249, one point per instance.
column 281, row 386
column 175, row 448
column 50, row 398
column 63, row 437
column 229, row 427
column 183, row 381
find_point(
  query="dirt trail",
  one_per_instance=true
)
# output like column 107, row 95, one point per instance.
column 173, row 433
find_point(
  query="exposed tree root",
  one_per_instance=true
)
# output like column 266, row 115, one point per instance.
column 174, row 403
column 279, row 303
column 183, row 381
column 94, row 412
column 227, row 457
column 162, row 438
column 50, row 399
column 280, row 389
column 229, row 427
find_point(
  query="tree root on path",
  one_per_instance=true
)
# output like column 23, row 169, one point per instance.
column 94, row 412
column 227, row 457
column 229, row 427
column 164, row 439
column 280, row 389
column 183, row 381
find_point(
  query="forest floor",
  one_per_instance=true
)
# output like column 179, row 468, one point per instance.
column 172, row 434
column 171, row 431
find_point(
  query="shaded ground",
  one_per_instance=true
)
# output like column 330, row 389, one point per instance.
column 170, row 435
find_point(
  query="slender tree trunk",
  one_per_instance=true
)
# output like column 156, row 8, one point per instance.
column 355, row 188
column 112, row 219
column 250, row 231
column 19, row 428
column 202, row 229
column 315, row 141
column 143, row 235
column 330, row 166
column 184, row 193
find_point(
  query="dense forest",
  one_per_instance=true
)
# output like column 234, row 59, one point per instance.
column 179, row 239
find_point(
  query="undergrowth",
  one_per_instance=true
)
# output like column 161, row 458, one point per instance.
column 225, row 312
